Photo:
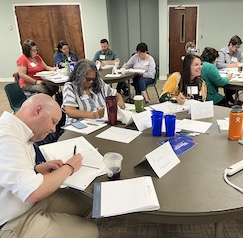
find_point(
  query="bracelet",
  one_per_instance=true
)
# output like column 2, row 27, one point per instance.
column 70, row 167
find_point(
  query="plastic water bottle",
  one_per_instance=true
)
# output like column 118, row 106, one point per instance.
column 235, row 123
column 67, row 66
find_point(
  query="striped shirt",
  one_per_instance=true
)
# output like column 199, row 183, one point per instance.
column 85, row 102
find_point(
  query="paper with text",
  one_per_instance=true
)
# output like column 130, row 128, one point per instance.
column 162, row 159
column 196, row 126
column 142, row 120
column 119, row 134
column 202, row 110
column 92, row 164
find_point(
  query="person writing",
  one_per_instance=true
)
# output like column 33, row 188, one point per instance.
column 64, row 54
column 85, row 92
column 29, row 64
column 211, row 76
column 230, row 57
column 142, row 60
column 30, row 195
column 187, row 84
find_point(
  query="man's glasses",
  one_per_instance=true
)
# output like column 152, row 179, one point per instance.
column 35, row 50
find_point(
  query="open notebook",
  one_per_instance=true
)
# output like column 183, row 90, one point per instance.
column 92, row 164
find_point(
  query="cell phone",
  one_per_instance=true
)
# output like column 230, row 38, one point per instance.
column 78, row 125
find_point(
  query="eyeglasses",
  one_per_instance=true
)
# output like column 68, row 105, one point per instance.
column 90, row 79
column 35, row 50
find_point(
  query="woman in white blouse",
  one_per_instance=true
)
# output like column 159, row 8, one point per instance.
column 142, row 60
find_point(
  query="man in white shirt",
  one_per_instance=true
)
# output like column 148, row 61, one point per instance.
column 31, row 201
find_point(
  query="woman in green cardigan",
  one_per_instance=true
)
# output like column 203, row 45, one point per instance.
column 211, row 76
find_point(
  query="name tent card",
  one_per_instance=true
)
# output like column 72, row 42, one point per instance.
column 162, row 159
column 202, row 110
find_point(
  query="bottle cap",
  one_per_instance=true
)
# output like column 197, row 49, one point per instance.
column 236, row 109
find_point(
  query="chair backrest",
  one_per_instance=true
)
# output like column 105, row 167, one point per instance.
column 15, row 95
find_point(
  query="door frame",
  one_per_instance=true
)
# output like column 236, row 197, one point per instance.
column 168, row 33
column 47, row 4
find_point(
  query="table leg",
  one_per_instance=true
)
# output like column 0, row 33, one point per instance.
column 219, row 230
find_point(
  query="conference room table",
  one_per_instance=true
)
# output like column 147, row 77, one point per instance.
column 194, row 191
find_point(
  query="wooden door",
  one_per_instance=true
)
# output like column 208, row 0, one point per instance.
column 182, row 28
column 47, row 25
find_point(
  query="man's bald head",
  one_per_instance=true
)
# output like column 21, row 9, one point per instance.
column 40, row 113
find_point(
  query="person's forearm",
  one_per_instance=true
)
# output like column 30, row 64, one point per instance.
column 49, row 68
column 27, row 78
column 75, row 113
column 51, row 182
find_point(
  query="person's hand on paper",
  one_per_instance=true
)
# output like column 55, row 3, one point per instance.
column 100, row 112
column 49, row 166
column 121, row 104
column 229, row 76
column 181, row 100
column 75, row 162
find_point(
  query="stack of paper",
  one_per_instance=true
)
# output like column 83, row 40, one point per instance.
column 124, row 196
column 92, row 164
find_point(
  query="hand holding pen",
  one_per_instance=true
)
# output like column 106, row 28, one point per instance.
column 181, row 100
column 76, row 161
column 99, row 113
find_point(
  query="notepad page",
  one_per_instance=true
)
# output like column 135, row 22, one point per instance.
column 129, row 195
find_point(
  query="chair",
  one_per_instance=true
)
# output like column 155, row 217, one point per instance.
column 15, row 95
column 27, row 93
column 155, row 81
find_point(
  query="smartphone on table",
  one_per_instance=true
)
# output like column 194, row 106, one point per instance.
column 79, row 125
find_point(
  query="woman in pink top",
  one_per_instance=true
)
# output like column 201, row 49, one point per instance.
column 29, row 64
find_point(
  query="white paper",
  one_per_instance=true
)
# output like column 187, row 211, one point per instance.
column 139, row 71
column 196, row 126
column 142, row 120
column 119, row 134
column 128, row 195
column 91, row 127
column 162, row 159
column 202, row 110
column 113, row 75
column 125, row 115
column 92, row 164
column 223, row 125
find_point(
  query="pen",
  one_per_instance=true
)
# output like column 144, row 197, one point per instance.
column 74, row 150
column 91, row 124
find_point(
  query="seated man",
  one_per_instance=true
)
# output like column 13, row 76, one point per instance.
column 30, row 195
column 106, row 56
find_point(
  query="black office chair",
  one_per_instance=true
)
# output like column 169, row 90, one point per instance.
column 155, row 81
column 15, row 95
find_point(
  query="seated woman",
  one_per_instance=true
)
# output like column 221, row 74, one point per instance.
column 29, row 64
column 142, row 60
column 85, row 92
column 187, row 84
column 64, row 54
column 212, row 77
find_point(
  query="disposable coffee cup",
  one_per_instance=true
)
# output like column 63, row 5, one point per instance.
column 240, row 68
column 138, row 101
column 113, row 162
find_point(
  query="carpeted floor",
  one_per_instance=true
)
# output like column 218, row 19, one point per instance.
column 120, row 227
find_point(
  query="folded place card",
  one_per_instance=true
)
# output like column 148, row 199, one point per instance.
column 202, row 110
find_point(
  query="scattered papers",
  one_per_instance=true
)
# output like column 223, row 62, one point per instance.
column 162, row 159
column 124, row 196
column 180, row 144
column 196, row 126
column 202, row 110
column 91, row 127
column 125, row 115
column 92, row 164
column 45, row 73
column 57, row 78
column 172, row 108
column 119, row 134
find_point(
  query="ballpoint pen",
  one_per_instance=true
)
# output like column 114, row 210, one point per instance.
column 74, row 150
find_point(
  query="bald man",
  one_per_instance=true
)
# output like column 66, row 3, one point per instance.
column 31, row 202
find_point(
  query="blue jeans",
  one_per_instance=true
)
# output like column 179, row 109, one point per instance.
column 140, row 83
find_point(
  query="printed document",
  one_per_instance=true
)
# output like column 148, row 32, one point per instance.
column 118, row 197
